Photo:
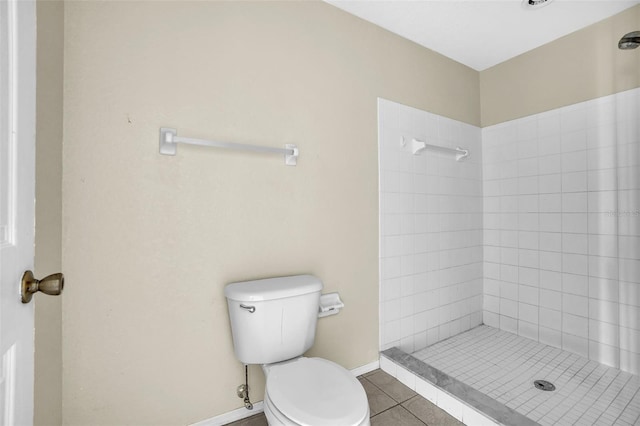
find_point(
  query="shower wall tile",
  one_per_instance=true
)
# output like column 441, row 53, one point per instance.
column 561, row 228
column 431, row 229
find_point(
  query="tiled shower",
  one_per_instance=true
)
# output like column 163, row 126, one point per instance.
column 536, row 234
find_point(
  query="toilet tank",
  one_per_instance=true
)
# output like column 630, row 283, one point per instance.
column 273, row 319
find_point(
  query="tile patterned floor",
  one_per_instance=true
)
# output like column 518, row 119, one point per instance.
column 391, row 404
column 503, row 366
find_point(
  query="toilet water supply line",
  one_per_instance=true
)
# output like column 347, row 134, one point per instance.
column 243, row 390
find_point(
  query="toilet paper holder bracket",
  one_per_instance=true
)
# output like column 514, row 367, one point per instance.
column 330, row 304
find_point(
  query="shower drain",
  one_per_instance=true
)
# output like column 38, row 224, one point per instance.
column 544, row 385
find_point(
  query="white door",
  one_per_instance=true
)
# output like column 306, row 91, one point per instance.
column 17, row 192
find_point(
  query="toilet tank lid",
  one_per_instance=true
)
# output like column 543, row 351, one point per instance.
column 272, row 288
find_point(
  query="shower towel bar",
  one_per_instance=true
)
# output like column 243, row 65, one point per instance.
column 169, row 141
column 418, row 146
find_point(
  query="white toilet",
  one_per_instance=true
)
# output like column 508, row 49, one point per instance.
column 273, row 322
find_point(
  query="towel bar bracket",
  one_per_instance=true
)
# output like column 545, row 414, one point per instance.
column 167, row 145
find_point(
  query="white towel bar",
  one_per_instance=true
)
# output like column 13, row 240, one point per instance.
column 169, row 141
column 418, row 146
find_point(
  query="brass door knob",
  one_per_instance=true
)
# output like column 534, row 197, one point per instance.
column 51, row 284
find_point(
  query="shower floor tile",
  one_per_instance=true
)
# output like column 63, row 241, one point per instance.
column 503, row 366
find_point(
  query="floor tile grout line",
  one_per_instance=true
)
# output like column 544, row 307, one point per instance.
column 389, row 395
column 618, row 393
column 596, row 398
column 582, row 381
column 630, row 400
column 569, row 366
column 396, row 403
column 497, row 379
column 488, row 355
column 382, row 390
column 410, row 412
column 530, row 358
column 568, row 409
column 550, row 372
column 404, row 408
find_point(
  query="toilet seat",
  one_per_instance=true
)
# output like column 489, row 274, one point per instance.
column 314, row 392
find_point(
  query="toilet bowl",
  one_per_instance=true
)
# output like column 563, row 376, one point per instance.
column 313, row 392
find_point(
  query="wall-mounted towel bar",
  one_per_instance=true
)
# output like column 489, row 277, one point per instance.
column 169, row 139
column 419, row 146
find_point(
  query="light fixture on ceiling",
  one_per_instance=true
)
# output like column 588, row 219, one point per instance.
column 535, row 4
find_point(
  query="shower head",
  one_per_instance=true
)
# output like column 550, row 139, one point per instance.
column 629, row 41
column 535, row 4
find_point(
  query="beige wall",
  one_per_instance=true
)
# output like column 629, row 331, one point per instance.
column 48, row 248
column 583, row 65
column 149, row 241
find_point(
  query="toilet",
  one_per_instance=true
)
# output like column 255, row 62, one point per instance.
column 273, row 323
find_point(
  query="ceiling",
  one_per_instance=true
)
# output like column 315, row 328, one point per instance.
column 482, row 33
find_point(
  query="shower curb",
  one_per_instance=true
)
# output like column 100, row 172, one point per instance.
column 486, row 405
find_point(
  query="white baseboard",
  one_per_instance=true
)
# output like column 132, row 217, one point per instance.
column 232, row 416
column 258, row 407
column 359, row 371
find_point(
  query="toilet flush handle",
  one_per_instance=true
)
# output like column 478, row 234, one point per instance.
column 251, row 309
